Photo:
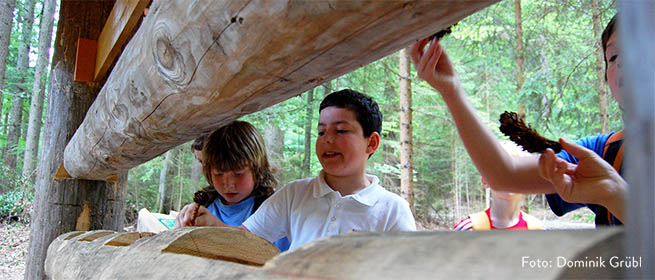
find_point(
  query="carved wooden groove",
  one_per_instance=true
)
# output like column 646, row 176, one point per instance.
column 416, row 255
column 195, row 65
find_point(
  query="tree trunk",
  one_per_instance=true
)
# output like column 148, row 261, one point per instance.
column 406, row 168
column 196, row 173
column 36, row 104
column 6, row 23
column 601, row 88
column 308, row 134
column 64, row 205
column 487, row 191
column 274, row 141
column 519, row 45
column 263, row 58
column 166, row 181
column 454, row 171
column 16, row 116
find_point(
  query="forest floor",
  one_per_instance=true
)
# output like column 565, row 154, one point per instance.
column 14, row 237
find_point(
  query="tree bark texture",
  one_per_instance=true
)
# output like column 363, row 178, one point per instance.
column 601, row 86
column 361, row 255
column 36, row 104
column 65, row 205
column 309, row 115
column 22, row 64
column 6, row 23
column 406, row 168
column 193, row 66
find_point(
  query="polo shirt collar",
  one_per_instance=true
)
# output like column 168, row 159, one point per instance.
column 368, row 196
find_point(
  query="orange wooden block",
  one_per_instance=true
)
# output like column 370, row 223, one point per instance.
column 85, row 61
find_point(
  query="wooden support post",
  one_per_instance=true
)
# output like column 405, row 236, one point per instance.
column 195, row 65
column 637, row 35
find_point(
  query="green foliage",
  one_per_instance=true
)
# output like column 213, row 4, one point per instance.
column 13, row 203
column 584, row 217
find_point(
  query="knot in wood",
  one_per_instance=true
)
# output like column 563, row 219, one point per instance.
column 170, row 56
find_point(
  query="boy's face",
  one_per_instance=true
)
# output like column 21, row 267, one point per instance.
column 614, row 77
column 233, row 185
column 341, row 146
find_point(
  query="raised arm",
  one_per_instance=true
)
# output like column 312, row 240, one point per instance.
column 498, row 168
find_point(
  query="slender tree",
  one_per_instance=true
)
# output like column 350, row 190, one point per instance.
column 166, row 176
column 16, row 115
column 519, row 45
column 601, row 88
column 6, row 23
column 309, row 114
column 196, row 173
column 274, row 141
column 36, row 106
column 65, row 205
column 406, row 168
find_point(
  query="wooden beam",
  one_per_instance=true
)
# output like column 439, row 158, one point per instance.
column 195, row 65
column 589, row 254
column 118, row 29
column 637, row 35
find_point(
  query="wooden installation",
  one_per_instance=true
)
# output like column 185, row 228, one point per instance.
column 222, row 253
column 195, row 65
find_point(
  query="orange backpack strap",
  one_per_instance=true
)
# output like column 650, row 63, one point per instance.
column 613, row 154
column 533, row 222
column 480, row 221
column 613, row 151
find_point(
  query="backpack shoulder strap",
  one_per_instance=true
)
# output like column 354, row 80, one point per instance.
column 480, row 221
column 532, row 222
column 613, row 150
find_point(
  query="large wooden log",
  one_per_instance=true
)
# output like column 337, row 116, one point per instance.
column 417, row 255
column 187, row 253
column 195, row 65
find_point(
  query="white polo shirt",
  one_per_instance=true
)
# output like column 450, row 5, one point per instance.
column 308, row 209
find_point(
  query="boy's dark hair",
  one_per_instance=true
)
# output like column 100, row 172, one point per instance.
column 366, row 110
column 235, row 146
column 199, row 143
column 609, row 30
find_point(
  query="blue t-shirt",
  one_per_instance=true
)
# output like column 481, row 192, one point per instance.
column 236, row 214
column 558, row 205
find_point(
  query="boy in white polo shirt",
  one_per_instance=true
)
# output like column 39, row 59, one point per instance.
column 342, row 198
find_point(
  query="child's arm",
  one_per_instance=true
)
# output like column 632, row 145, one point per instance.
column 592, row 180
column 203, row 218
column 498, row 168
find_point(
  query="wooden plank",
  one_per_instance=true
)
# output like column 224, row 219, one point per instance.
column 117, row 31
column 637, row 34
column 195, row 65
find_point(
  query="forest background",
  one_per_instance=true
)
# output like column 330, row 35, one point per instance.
column 539, row 58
